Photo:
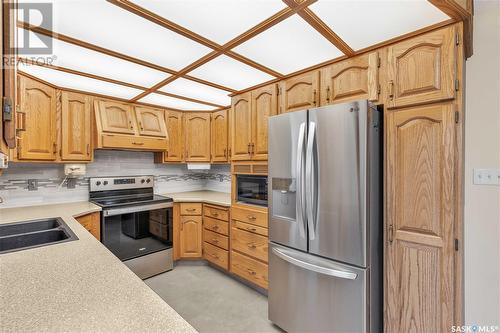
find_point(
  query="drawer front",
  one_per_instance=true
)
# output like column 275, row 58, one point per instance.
column 216, row 255
column 249, row 243
column 216, row 213
column 249, row 269
column 249, row 216
column 218, row 226
column 133, row 142
column 216, row 239
column 251, row 228
column 190, row 208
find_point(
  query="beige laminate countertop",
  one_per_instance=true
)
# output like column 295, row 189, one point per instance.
column 77, row 286
column 210, row 197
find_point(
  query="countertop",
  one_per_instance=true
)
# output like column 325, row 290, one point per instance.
column 210, row 197
column 76, row 286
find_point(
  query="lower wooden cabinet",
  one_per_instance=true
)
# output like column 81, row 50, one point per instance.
column 190, row 237
column 250, row 269
column 91, row 222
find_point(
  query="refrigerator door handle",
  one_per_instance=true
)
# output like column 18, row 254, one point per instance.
column 311, row 181
column 343, row 274
column 299, row 207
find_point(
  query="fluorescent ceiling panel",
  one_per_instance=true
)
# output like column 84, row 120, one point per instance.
column 217, row 20
column 109, row 26
column 197, row 90
column 175, row 103
column 71, row 81
column 230, row 73
column 289, row 46
column 91, row 62
column 364, row 23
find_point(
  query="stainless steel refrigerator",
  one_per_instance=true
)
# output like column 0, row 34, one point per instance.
column 325, row 223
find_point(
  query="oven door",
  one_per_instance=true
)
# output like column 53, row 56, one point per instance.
column 132, row 232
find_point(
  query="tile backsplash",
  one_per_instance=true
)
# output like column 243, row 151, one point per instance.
column 52, row 188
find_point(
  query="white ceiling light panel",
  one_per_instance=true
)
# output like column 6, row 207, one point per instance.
column 175, row 103
column 289, row 46
column 364, row 23
column 71, row 81
column 197, row 90
column 230, row 73
column 217, row 20
column 109, row 26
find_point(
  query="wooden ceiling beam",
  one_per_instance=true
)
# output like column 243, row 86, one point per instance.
column 80, row 43
column 110, row 80
column 321, row 27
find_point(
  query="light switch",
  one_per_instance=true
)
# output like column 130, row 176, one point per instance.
column 487, row 176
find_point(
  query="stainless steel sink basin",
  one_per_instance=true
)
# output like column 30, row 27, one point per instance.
column 29, row 234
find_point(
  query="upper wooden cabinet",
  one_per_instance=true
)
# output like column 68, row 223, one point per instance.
column 175, row 123
column 115, row 117
column 219, row 136
column 197, row 136
column 241, row 127
column 420, row 219
column 351, row 79
column 299, row 92
column 422, row 69
column 75, row 127
column 151, row 121
column 36, row 121
column 264, row 104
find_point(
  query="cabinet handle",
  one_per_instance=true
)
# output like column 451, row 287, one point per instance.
column 140, row 125
column 215, row 256
column 54, row 147
column 191, row 209
column 130, row 123
column 88, row 149
column 216, row 241
column 251, row 229
column 390, row 235
column 225, row 152
column 391, row 89
column 248, row 148
column 215, row 214
column 215, row 227
column 251, row 217
column 138, row 143
column 251, row 246
column 21, row 121
column 328, row 94
column 314, row 96
column 251, row 272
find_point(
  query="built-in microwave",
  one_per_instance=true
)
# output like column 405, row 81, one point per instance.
column 251, row 189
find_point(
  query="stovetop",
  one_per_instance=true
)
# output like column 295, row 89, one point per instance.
column 126, row 200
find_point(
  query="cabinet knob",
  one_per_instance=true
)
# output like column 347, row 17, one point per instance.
column 391, row 89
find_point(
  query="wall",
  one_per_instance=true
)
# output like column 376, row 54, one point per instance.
column 482, row 150
column 168, row 178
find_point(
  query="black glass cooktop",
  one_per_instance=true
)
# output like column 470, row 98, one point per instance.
column 130, row 200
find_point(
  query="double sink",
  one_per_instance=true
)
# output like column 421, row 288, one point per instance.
column 25, row 235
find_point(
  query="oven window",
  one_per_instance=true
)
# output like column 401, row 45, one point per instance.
column 135, row 234
column 252, row 189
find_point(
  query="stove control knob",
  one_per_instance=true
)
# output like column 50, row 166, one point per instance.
column 148, row 180
column 105, row 182
column 142, row 181
column 98, row 183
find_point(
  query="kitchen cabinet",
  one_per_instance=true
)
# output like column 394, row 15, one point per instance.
column 91, row 222
column 420, row 219
column 197, row 136
column 351, row 79
column 422, row 69
column 216, row 235
column 190, row 236
column 36, row 119
column 115, row 117
column 241, row 127
column 175, row 123
column 299, row 92
column 151, row 121
column 76, row 127
column 219, row 136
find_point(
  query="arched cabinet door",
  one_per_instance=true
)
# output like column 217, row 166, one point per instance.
column 190, row 237
column 151, row 122
column 175, row 123
column 241, row 127
column 420, row 219
column 422, row 69
column 264, row 105
column 299, row 92
column 197, row 136
column 219, row 136
column 115, row 117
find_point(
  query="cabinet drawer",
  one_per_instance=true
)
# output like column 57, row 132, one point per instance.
column 133, row 142
column 216, row 213
column 249, row 216
column 249, row 269
column 249, row 243
column 189, row 208
column 216, row 239
column 250, row 227
column 218, row 226
column 216, row 255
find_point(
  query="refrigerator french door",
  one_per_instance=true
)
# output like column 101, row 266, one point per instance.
column 325, row 219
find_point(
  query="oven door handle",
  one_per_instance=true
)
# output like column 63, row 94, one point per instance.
column 134, row 209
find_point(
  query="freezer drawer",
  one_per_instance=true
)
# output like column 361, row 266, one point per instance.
column 311, row 294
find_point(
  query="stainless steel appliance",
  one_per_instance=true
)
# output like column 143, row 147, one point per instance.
column 251, row 189
column 136, row 224
column 325, row 219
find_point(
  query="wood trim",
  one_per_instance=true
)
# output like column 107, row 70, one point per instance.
column 321, row 27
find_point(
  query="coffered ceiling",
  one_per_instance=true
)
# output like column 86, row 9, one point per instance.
column 191, row 54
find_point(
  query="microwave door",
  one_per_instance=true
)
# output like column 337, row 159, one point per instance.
column 287, row 136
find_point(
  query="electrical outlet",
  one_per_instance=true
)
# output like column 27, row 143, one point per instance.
column 487, row 176
column 32, row 185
